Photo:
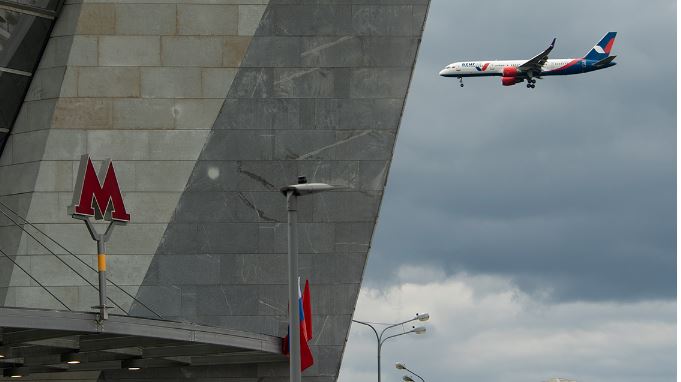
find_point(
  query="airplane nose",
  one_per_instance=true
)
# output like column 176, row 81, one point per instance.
column 443, row 72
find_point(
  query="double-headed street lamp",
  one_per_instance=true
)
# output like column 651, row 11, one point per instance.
column 406, row 378
column 292, row 193
column 380, row 340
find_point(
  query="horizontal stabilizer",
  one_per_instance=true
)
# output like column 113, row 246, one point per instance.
column 605, row 61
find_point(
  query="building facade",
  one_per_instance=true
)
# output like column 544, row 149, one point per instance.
column 206, row 109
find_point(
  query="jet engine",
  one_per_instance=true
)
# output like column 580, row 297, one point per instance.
column 508, row 81
column 510, row 76
column 510, row 71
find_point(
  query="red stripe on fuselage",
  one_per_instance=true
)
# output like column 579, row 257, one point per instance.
column 569, row 64
column 484, row 67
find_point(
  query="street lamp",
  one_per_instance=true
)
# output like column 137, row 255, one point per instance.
column 380, row 340
column 400, row 366
column 406, row 378
column 292, row 192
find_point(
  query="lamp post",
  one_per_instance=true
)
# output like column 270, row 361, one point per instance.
column 292, row 193
column 380, row 340
column 400, row 366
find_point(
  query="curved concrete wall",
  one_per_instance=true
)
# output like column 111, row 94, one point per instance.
column 206, row 112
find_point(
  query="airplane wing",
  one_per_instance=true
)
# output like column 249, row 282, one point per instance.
column 535, row 63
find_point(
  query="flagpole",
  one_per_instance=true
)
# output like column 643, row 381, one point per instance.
column 294, row 309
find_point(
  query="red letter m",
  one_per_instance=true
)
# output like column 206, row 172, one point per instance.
column 99, row 200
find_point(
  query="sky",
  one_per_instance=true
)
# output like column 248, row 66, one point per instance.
column 536, row 226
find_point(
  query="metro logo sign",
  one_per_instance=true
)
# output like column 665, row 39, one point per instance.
column 92, row 197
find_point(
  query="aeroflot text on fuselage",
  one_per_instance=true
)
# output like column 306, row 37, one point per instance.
column 516, row 71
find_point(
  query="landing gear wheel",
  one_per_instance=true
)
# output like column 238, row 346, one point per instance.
column 461, row 81
column 461, row 85
column 529, row 86
column 532, row 86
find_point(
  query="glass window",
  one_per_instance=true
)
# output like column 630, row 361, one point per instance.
column 24, row 29
column 43, row 4
column 22, row 38
column 12, row 90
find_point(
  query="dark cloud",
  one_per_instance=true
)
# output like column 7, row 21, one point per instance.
column 568, row 188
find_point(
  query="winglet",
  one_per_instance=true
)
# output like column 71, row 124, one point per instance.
column 553, row 42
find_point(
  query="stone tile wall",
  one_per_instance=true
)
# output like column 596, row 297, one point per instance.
column 319, row 93
column 138, row 83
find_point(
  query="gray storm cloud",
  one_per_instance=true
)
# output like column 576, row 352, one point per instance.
column 568, row 187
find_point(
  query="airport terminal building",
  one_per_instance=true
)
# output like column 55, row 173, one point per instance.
column 206, row 108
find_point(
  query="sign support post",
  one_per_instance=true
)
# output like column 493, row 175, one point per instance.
column 101, row 240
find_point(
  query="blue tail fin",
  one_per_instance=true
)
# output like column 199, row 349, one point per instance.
column 602, row 49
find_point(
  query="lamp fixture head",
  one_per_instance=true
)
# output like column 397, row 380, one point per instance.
column 73, row 358
column 422, row 317
column 16, row 372
column 306, row 188
column 400, row 366
column 419, row 330
column 407, row 378
column 5, row 351
column 132, row 364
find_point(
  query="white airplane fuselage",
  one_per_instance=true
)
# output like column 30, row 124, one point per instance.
column 552, row 67
column 516, row 71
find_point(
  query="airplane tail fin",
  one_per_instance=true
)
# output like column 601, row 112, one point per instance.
column 601, row 50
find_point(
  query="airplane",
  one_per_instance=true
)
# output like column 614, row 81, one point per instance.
column 516, row 71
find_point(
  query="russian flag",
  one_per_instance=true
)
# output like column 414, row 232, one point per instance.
column 305, row 311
